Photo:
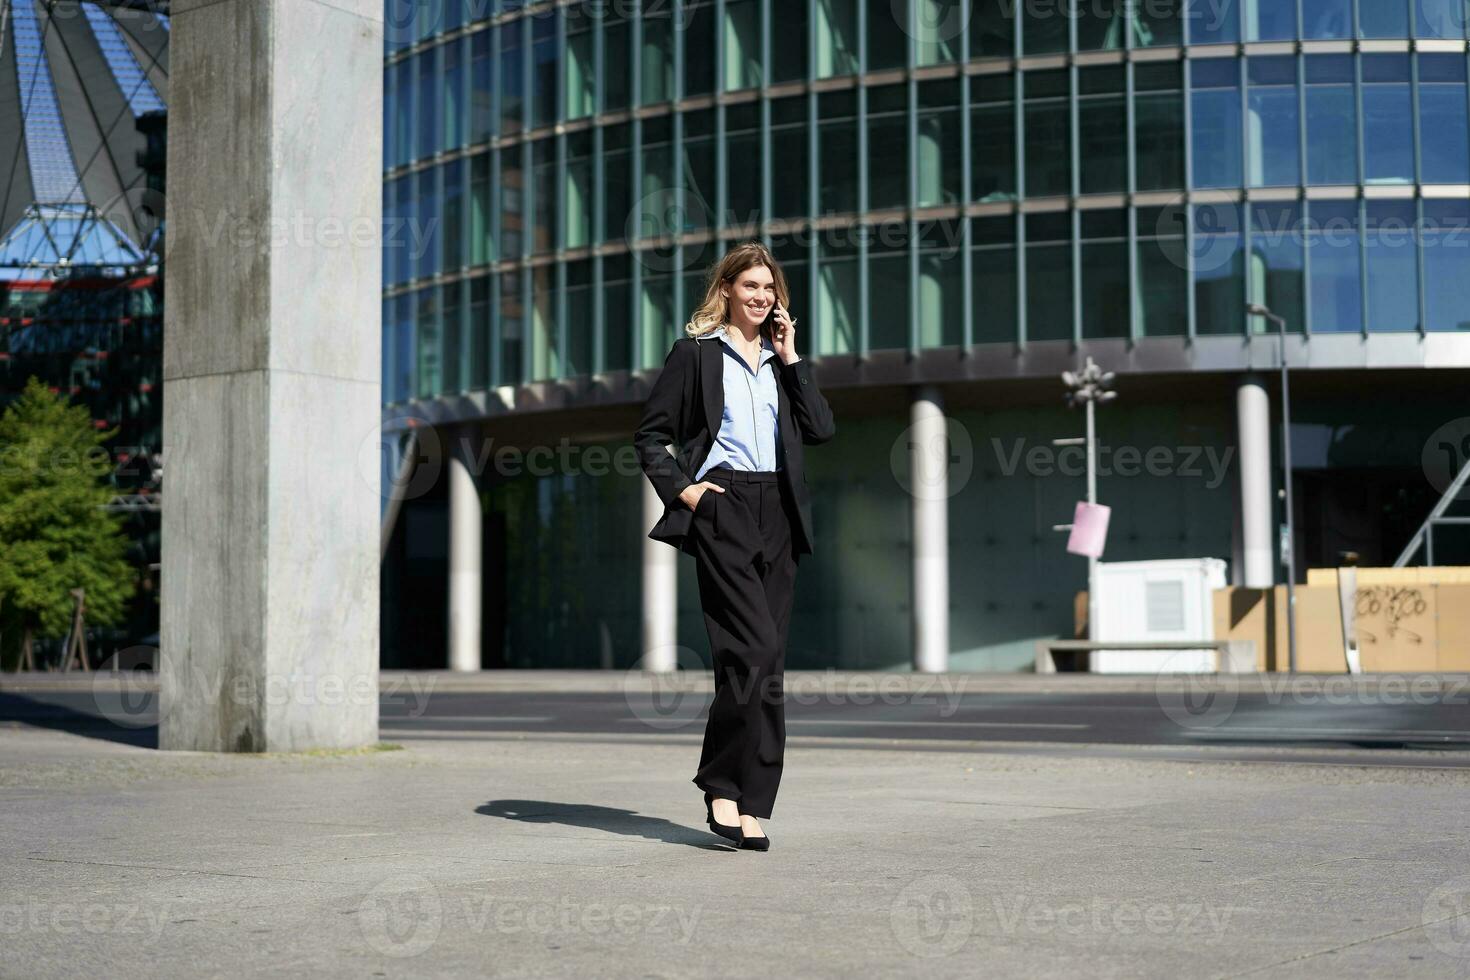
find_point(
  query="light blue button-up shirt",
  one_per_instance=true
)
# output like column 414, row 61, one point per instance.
column 749, row 436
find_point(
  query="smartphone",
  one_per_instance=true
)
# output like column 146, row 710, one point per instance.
column 768, row 326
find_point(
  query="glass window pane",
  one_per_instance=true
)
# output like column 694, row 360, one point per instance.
column 1447, row 264
column 1439, row 18
column 698, row 169
column 1103, row 132
column 1332, row 133
column 839, row 300
column 837, row 152
column 545, row 97
column 482, row 125
column 1101, row 26
column 617, row 183
column 1106, row 311
column 1274, row 151
column 453, row 337
column 1049, row 276
column 1384, row 18
column 1215, row 105
column 1388, row 132
column 837, row 38
column 938, row 148
column 617, row 334
column 1163, row 272
column 543, row 170
column 1219, row 270
column 616, row 36
column 1276, row 272
column 788, row 42
column 992, row 138
column 937, row 32
column 1336, row 288
column 453, row 89
column 1043, row 27
column 1158, row 23
column 426, row 315
column 1443, row 124
column 994, row 279
column 580, row 76
column 1213, row 21
column 479, row 210
column 656, row 59
column 478, row 327
column 888, row 146
column 512, row 91
column 656, row 317
column 428, row 114
column 1159, row 129
column 1327, row 19
column 789, row 155
column 888, row 35
column 1269, row 20
column 579, row 318
column 743, row 164
column 512, row 202
column 577, row 201
column 511, row 323
column 741, row 39
column 1393, row 266
column 698, row 27
column 992, row 27
column 888, row 286
column 941, row 285
column 453, row 237
column 1048, row 137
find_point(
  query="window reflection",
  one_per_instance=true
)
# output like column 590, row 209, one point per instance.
column 1272, row 102
column 1446, row 260
column 1393, row 266
column 1336, row 289
column 1332, row 127
column 1443, row 124
column 1388, row 120
column 1219, row 269
column 993, row 261
column 1049, row 276
column 1215, row 104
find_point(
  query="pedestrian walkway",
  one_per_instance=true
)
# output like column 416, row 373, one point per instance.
column 512, row 856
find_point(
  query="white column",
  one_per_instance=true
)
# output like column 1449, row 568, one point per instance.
column 1253, row 430
column 660, row 590
column 466, row 534
column 272, row 363
column 929, row 503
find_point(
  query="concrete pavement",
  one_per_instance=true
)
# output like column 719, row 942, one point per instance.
column 507, row 855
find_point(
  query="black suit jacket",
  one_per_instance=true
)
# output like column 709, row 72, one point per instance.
column 682, row 417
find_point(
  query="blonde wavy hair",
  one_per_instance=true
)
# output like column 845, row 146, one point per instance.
column 714, row 312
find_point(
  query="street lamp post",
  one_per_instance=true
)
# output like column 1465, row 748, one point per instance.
column 1256, row 309
column 1088, row 387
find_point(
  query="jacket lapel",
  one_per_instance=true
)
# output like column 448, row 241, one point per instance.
column 712, row 381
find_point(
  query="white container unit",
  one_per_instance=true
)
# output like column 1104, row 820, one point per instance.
column 1169, row 600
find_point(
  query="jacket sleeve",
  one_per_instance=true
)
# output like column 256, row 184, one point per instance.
column 809, row 409
column 664, row 420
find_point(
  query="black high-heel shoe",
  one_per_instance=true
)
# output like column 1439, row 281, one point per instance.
column 762, row 843
column 730, row 832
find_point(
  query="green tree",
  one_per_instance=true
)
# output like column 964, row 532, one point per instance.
column 55, row 534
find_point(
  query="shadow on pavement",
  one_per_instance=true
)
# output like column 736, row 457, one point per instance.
column 626, row 822
column 47, row 713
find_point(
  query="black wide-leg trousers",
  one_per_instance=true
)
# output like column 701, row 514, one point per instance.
column 746, row 569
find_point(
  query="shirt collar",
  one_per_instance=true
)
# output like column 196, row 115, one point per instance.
column 767, row 350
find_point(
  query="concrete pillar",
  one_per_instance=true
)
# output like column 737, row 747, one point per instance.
column 660, row 628
column 466, row 561
column 272, row 364
column 929, row 459
column 1253, row 430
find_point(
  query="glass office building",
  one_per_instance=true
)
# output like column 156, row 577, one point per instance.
column 969, row 196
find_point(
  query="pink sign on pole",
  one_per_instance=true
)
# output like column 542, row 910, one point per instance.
column 1089, row 529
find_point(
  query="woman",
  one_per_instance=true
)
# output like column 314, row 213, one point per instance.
column 721, row 440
